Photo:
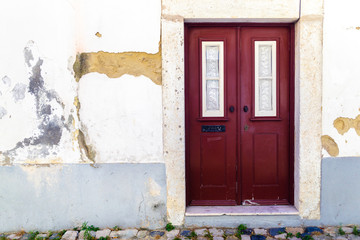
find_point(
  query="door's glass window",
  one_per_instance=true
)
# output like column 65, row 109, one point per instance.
column 212, row 98
column 212, row 79
column 265, row 78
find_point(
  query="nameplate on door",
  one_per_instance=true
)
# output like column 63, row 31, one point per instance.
column 213, row 128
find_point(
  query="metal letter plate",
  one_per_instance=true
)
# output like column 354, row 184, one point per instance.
column 213, row 128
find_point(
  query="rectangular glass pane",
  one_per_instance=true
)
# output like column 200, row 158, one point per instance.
column 212, row 61
column 265, row 63
column 265, row 95
column 212, row 78
column 265, row 79
column 212, row 95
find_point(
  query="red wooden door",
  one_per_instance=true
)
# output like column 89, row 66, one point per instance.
column 237, row 115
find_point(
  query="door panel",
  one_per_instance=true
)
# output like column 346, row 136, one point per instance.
column 213, row 154
column 265, row 173
column 265, row 156
column 213, row 148
column 237, row 116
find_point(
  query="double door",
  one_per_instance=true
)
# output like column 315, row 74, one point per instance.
column 237, row 109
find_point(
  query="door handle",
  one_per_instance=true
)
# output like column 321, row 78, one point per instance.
column 246, row 108
column 232, row 109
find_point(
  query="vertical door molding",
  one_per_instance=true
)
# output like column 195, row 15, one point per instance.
column 173, row 81
column 308, row 113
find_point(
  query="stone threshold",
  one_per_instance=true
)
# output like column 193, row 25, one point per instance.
column 192, row 211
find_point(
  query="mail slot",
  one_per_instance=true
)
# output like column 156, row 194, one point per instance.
column 213, row 128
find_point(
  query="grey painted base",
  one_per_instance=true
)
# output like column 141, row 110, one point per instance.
column 134, row 195
column 340, row 201
column 63, row 196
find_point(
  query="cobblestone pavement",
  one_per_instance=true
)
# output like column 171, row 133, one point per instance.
column 242, row 232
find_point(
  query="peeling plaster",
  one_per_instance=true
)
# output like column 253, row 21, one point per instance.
column 86, row 148
column 343, row 124
column 19, row 91
column 115, row 65
column 173, row 18
column 79, row 136
column 329, row 144
column 3, row 112
column 6, row 81
column 154, row 188
column 4, row 159
column 49, row 110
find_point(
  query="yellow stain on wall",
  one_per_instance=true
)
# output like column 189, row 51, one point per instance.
column 44, row 162
column 329, row 144
column 343, row 124
column 115, row 65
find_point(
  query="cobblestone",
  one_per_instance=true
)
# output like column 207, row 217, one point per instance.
column 185, row 233
column 26, row 236
column 347, row 230
column 204, row 238
column 235, row 238
column 330, row 230
column 14, row 236
column 294, row 230
column 172, row 234
column 276, row 231
column 292, row 233
column 245, row 237
column 313, row 230
column 216, row 232
column 230, row 232
column 52, row 237
column 201, row 231
column 70, row 235
column 218, row 238
column 142, row 233
column 41, row 236
column 260, row 231
column 102, row 233
column 82, row 232
column 281, row 236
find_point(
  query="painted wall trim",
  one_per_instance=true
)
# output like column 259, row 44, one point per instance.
column 240, row 20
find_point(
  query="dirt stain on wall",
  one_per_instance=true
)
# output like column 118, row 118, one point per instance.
column 329, row 144
column 115, row 65
column 343, row 124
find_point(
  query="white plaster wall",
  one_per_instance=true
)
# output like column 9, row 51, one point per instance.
column 122, row 117
column 124, row 25
column 341, row 84
column 230, row 11
column 43, row 28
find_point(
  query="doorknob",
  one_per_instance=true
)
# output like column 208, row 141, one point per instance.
column 232, row 109
column 246, row 108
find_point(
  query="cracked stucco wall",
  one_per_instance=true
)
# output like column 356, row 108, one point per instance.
column 37, row 115
column 341, row 84
column 68, row 134
column 84, row 92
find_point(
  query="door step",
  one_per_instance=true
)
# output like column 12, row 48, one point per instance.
column 240, row 210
